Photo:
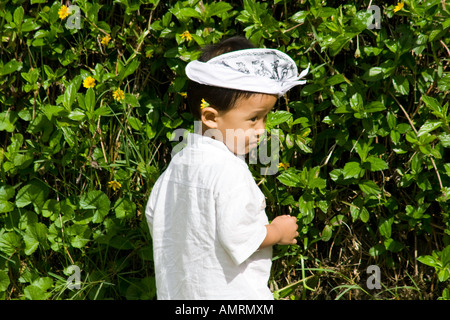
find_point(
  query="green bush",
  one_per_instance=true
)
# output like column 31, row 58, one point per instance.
column 90, row 101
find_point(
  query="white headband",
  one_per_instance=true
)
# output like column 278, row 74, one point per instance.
column 258, row 70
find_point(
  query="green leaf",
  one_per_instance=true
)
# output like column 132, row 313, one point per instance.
column 6, row 193
column 276, row 118
column 38, row 290
column 444, row 274
column 401, row 84
column 445, row 195
column 31, row 76
column 445, row 139
column 444, row 82
column 364, row 215
column 445, row 256
column 358, row 210
column 79, row 235
column 309, row 89
column 391, row 120
column 334, row 80
column 7, row 120
column 125, row 72
column 352, row 170
column 29, row 25
column 362, row 147
column 33, row 193
column 135, row 123
column 369, row 187
column 299, row 16
column 360, row 21
column 289, row 140
column 428, row 126
column 302, row 144
column 338, row 44
column 18, row 16
column 10, row 243
column 124, row 208
column 52, row 111
column 289, row 178
column 217, row 8
column 69, row 96
column 376, row 164
column 35, row 235
column 97, row 203
column 377, row 250
column 141, row 289
column 393, row 245
column 356, row 102
column 374, row 106
column 27, row 218
column 10, row 67
column 318, row 183
column 336, row 174
column 131, row 99
column 51, row 209
column 385, row 226
column 4, row 281
column 77, row 115
column 102, row 111
column 191, row 13
column 433, row 105
column 429, row 261
column 306, row 206
column 327, row 232
column 90, row 100
column 411, row 137
column 376, row 74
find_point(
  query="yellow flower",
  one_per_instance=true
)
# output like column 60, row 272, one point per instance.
column 89, row 82
column 283, row 165
column 183, row 94
column 204, row 104
column 399, row 6
column 186, row 35
column 114, row 185
column 118, row 94
column 105, row 40
column 63, row 12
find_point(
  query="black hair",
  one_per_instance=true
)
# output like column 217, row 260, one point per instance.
column 222, row 99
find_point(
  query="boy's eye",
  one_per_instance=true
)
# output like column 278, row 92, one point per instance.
column 254, row 119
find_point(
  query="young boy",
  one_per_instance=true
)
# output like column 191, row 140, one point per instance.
column 211, row 236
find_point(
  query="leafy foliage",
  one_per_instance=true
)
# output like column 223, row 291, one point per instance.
column 90, row 101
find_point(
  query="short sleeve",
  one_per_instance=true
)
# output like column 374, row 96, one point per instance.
column 241, row 218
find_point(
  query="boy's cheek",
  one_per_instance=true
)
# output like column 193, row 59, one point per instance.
column 240, row 145
column 241, row 141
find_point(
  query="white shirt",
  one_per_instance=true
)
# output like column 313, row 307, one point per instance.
column 207, row 220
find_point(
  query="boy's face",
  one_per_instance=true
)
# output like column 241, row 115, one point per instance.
column 241, row 127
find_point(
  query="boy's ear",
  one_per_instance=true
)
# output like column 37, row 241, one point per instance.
column 209, row 116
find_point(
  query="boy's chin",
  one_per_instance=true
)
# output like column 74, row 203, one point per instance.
column 245, row 150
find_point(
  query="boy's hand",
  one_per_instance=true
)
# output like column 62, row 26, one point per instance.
column 287, row 228
column 282, row 230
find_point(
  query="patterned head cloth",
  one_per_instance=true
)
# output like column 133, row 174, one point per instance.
column 267, row 71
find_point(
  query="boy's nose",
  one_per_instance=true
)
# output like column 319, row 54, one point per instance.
column 260, row 131
column 260, row 127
